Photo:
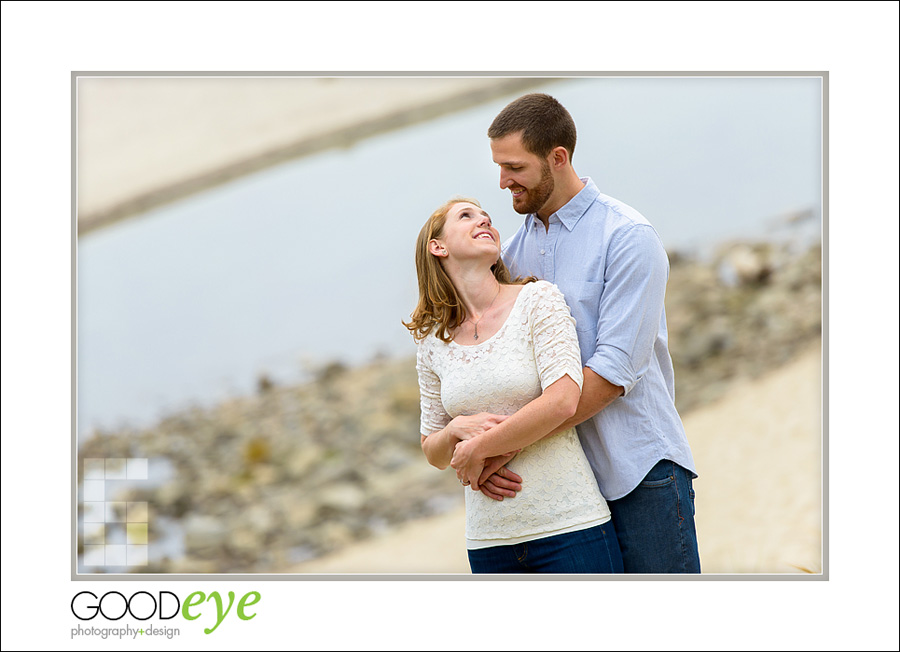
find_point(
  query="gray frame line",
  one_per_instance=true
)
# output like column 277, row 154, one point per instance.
column 544, row 75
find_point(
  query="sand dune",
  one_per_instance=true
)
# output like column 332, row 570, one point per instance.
column 147, row 140
column 759, row 496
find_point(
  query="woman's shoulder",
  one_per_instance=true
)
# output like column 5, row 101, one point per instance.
column 425, row 353
column 545, row 301
column 430, row 344
column 543, row 291
column 428, row 340
column 543, row 286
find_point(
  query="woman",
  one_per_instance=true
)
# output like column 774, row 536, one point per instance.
column 490, row 344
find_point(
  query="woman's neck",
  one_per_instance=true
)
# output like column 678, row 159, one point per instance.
column 477, row 289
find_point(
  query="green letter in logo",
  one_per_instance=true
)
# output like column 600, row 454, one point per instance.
column 244, row 603
column 190, row 602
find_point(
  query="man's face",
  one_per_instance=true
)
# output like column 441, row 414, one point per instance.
column 526, row 175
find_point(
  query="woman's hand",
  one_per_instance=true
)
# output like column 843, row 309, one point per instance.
column 438, row 447
column 468, row 462
column 465, row 427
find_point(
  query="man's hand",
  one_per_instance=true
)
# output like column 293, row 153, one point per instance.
column 497, row 481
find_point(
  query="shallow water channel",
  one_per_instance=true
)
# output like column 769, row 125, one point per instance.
column 312, row 261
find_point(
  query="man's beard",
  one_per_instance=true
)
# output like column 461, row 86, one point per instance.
column 535, row 198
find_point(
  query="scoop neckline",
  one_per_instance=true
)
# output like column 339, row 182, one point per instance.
column 502, row 326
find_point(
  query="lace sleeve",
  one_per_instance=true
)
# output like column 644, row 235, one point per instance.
column 555, row 341
column 434, row 416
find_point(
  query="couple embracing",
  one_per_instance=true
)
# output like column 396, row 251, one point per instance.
column 544, row 371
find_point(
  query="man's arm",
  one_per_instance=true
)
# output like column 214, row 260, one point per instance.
column 596, row 394
column 636, row 284
column 631, row 307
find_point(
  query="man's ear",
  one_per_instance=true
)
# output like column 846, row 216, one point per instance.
column 558, row 157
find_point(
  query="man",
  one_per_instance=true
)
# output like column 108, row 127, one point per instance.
column 612, row 268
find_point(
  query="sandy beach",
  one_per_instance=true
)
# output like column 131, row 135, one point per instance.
column 767, row 519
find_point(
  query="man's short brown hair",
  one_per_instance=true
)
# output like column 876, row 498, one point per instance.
column 543, row 121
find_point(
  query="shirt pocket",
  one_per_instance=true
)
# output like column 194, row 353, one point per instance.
column 583, row 298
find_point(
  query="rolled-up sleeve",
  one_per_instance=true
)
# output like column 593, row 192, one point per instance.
column 631, row 306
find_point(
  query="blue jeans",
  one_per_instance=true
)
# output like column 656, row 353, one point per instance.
column 594, row 550
column 655, row 523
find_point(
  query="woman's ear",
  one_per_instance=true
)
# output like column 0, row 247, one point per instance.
column 436, row 248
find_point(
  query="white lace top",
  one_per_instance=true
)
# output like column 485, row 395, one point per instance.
column 534, row 348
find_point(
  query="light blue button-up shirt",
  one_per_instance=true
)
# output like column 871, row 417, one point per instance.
column 611, row 266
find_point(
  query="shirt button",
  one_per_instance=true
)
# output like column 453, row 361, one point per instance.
column 542, row 252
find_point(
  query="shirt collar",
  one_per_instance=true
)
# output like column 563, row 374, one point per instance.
column 575, row 208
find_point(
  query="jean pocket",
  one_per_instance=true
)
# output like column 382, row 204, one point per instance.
column 664, row 482
column 661, row 475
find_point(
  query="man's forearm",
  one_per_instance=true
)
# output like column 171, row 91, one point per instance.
column 596, row 394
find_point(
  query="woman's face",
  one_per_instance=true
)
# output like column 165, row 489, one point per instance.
column 468, row 233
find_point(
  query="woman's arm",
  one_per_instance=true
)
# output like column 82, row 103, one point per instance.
column 438, row 446
column 534, row 421
column 559, row 367
column 445, row 432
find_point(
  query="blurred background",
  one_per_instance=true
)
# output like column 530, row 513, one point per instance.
column 245, row 257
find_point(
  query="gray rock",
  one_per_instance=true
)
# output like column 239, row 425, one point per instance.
column 203, row 534
column 342, row 497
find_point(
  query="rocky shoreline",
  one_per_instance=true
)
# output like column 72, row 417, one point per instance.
column 264, row 482
column 748, row 311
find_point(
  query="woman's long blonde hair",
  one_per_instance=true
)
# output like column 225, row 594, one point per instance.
column 439, row 303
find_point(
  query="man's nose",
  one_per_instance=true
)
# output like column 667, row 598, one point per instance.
column 505, row 181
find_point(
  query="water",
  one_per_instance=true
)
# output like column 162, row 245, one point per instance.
column 312, row 260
